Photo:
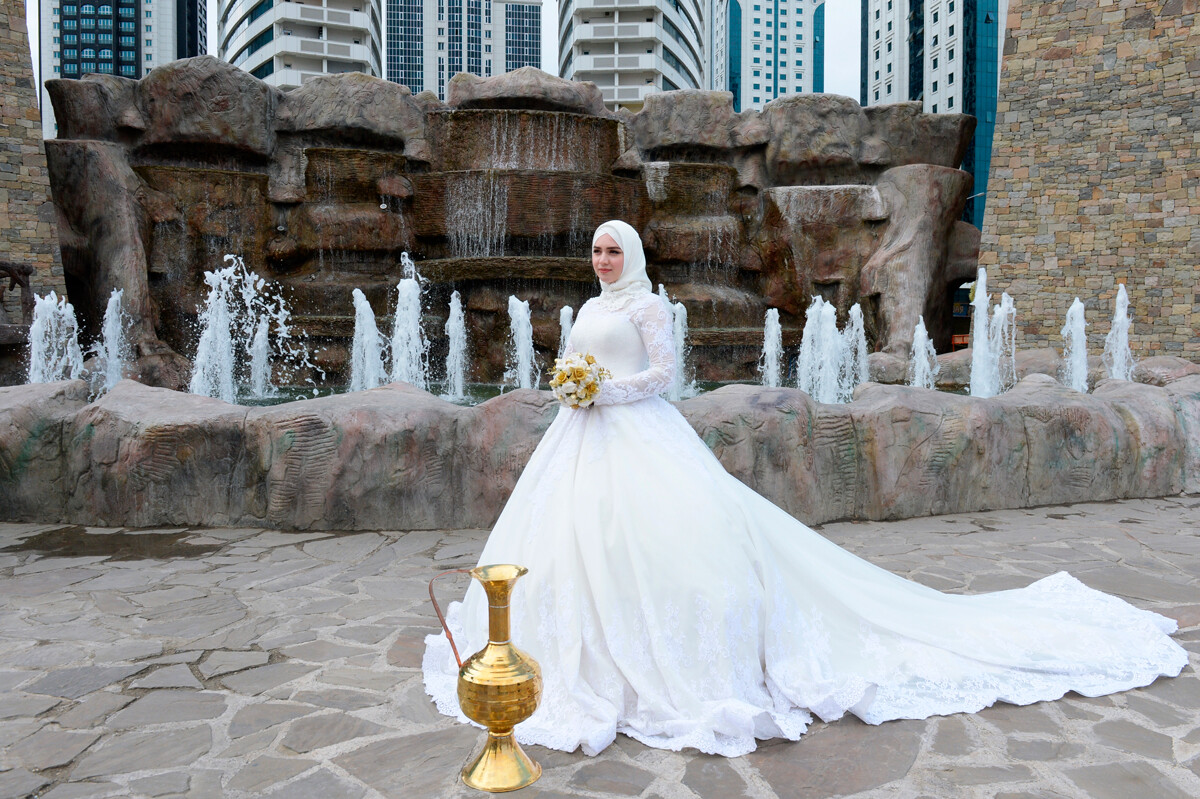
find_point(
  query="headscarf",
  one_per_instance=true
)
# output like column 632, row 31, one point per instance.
column 633, row 278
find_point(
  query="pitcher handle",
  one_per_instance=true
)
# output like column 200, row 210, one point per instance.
column 442, row 618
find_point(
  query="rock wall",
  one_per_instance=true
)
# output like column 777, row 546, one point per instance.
column 27, row 235
column 399, row 458
column 497, row 193
column 1095, row 178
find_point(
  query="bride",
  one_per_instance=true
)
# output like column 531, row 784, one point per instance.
column 668, row 601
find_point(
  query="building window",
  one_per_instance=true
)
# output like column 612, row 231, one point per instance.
column 88, row 9
column 877, row 94
column 950, row 103
column 935, row 108
column 951, row 6
column 89, row 53
column 950, row 54
column 935, row 85
column 935, row 62
column 876, row 55
column 950, row 78
column 105, row 10
column 951, row 31
column 889, row 69
column 106, row 54
column 935, row 40
column 889, row 88
column 148, row 14
column 125, row 11
column 935, row 16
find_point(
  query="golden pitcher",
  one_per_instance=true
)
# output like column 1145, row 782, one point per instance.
column 499, row 687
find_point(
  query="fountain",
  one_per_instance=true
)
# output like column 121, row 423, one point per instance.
column 819, row 364
column 54, row 352
column 260, row 362
column 852, row 368
column 1075, row 359
column 771, row 364
column 113, row 353
column 1118, row 358
column 212, row 375
column 684, row 384
column 923, row 367
column 565, row 315
column 522, row 366
column 366, row 357
column 993, row 342
column 409, row 347
column 456, row 354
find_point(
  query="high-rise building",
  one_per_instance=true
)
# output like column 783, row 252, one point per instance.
column 116, row 37
column 945, row 54
column 286, row 43
column 430, row 41
column 631, row 48
column 774, row 49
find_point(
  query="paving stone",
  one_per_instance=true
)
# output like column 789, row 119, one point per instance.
column 206, row 784
column 345, row 549
column 178, row 676
column 340, row 698
column 359, row 678
column 365, row 633
column 161, row 784
column 263, row 772
column 322, row 651
column 50, row 655
column 713, row 776
column 611, row 776
column 316, row 732
column 1128, row 737
column 1182, row 691
column 952, row 737
column 253, row 718
column 1125, row 780
column 83, row 790
column 263, row 678
column 829, row 761
column 409, row 647
column 169, row 707
column 428, row 758
column 222, row 662
column 144, row 751
column 1043, row 750
column 49, row 748
column 72, row 683
column 322, row 784
column 25, row 705
column 19, row 783
column 1011, row 718
column 1159, row 713
column 92, row 709
column 985, row 775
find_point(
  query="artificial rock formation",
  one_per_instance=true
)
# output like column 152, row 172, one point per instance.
column 400, row 458
column 497, row 193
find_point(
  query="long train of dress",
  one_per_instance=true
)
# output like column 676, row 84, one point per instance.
column 668, row 601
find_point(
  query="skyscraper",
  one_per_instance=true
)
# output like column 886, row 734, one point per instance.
column 631, row 48
column 775, row 49
column 286, row 43
column 945, row 54
column 430, row 41
column 115, row 37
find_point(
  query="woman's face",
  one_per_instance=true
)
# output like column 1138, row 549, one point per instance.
column 608, row 261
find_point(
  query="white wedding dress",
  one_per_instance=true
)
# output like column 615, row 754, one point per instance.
column 668, row 601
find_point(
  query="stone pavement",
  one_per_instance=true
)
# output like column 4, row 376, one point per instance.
column 253, row 663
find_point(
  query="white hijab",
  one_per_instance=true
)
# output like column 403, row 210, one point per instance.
column 633, row 278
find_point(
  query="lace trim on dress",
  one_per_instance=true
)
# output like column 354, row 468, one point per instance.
column 655, row 325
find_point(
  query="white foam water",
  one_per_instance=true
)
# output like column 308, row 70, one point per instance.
column 770, row 364
column 521, row 371
column 366, row 352
column 1075, row 359
column 456, row 354
column 1118, row 357
column 923, row 366
column 54, row 352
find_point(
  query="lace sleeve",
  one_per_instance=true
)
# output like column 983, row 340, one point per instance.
column 654, row 323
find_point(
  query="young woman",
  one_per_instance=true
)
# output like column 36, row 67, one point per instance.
column 668, row 601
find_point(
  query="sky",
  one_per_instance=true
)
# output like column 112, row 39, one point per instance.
column 842, row 19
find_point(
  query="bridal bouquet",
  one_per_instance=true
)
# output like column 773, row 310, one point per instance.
column 576, row 379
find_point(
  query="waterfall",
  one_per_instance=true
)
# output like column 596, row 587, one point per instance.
column 212, row 371
column 113, row 353
column 521, row 369
column 456, row 355
column 769, row 365
column 476, row 214
column 565, row 315
column 409, row 346
column 1118, row 358
column 366, row 354
column 923, row 367
column 1075, row 359
column 54, row 352
column 852, row 367
column 260, row 362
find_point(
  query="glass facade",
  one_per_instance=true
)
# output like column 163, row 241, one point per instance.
column 734, row 81
column 191, row 28
column 93, row 25
column 406, row 44
column 522, row 36
column 982, row 32
column 818, row 60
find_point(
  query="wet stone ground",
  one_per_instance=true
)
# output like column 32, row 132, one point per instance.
column 252, row 663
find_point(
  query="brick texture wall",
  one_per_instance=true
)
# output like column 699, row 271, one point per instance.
column 27, row 231
column 1095, row 175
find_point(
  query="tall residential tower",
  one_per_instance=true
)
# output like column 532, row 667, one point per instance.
column 430, row 41
column 115, row 37
column 945, row 54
